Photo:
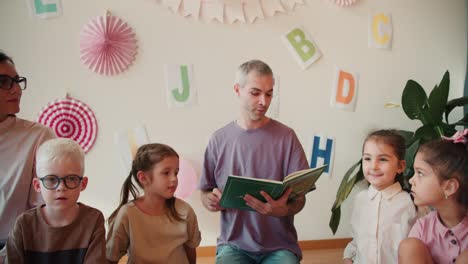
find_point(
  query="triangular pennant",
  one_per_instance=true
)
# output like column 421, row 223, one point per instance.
column 270, row 7
column 212, row 10
column 234, row 11
column 290, row 4
column 253, row 10
column 190, row 8
column 173, row 5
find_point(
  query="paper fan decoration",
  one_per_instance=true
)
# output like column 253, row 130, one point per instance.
column 344, row 2
column 187, row 179
column 229, row 11
column 71, row 118
column 107, row 45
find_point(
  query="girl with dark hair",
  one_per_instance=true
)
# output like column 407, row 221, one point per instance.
column 155, row 227
column 441, row 182
column 384, row 213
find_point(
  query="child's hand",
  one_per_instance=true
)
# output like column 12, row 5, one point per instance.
column 347, row 261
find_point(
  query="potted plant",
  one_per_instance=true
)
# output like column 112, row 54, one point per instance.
column 432, row 111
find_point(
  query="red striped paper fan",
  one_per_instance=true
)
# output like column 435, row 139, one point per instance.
column 107, row 45
column 71, row 118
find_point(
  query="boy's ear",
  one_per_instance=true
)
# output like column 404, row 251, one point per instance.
column 36, row 184
column 451, row 186
column 84, row 183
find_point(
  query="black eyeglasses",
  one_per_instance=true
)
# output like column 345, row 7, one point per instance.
column 6, row 82
column 51, row 182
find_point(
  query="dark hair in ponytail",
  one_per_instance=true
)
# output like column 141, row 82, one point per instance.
column 146, row 157
column 449, row 159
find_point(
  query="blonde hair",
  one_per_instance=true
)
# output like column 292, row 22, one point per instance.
column 56, row 150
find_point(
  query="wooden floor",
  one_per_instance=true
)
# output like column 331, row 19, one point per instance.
column 319, row 256
column 313, row 252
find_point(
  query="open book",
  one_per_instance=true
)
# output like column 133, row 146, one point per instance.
column 236, row 187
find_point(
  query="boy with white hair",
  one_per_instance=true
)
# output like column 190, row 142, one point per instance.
column 61, row 230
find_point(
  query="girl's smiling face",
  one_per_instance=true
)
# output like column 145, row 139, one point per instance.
column 380, row 164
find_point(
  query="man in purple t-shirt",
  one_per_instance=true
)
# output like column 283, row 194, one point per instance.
column 257, row 146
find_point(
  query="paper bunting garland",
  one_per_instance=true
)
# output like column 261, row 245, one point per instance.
column 344, row 2
column 230, row 11
column 107, row 45
column 71, row 118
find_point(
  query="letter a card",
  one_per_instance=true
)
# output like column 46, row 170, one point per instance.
column 345, row 89
column 302, row 47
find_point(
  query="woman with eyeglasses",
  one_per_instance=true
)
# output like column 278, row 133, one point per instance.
column 19, row 140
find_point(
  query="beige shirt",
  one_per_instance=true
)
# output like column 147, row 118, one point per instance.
column 19, row 140
column 152, row 239
column 380, row 220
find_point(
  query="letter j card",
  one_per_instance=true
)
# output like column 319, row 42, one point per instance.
column 181, row 91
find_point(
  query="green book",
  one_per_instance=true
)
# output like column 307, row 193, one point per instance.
column 237, row 187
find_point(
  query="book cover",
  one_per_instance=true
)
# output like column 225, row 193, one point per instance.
column 237, row 187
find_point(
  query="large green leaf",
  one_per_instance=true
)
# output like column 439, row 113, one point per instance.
column 349, row 180
column 408, row 136
column 438, row 99
column 413, row 100
column 347, row 183
column 426, row 133
column 462, row 101
column 461, row 123
column 449, row 130
column 335, row 219
column 409, row 158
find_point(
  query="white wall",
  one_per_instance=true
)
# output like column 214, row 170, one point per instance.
column 429, row 38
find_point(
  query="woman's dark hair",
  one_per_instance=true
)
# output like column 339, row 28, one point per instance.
column 392, row 138
column 146, row 157
column 449, row 160
column 5, row 58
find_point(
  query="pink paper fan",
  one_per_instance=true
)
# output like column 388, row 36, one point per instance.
column 71, row 118
column 107, row 45
column 187, row 179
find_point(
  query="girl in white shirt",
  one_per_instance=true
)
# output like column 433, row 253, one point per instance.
column 384, row 213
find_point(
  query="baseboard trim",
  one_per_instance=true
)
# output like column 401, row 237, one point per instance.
column 210, row 251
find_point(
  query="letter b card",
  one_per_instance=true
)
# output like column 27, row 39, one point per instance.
column 302, row 47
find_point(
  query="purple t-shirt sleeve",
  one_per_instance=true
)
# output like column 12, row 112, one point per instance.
column 297, row 159
column 207, row 179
